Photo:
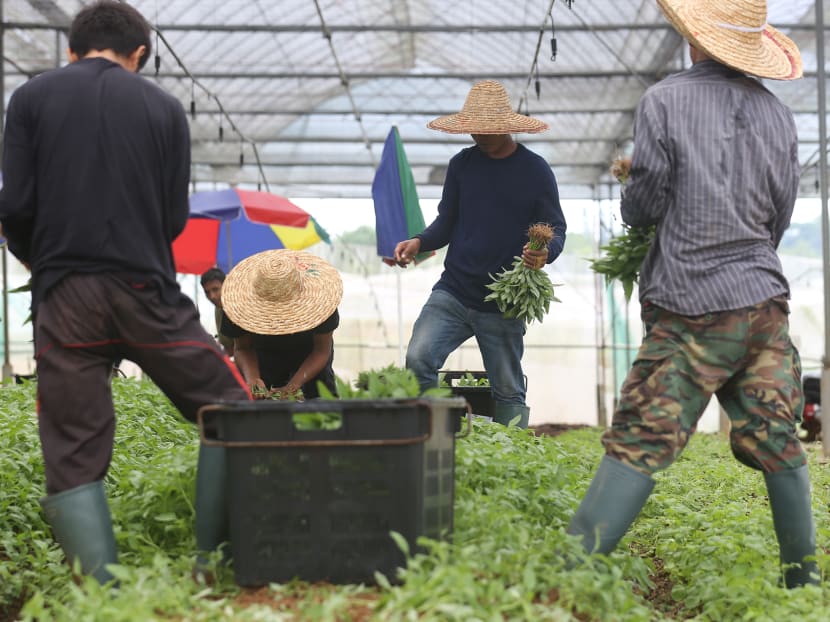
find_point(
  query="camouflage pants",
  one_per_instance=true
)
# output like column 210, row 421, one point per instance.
column 745, row 357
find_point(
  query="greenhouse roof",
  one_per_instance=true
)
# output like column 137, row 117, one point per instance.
column 299, row 96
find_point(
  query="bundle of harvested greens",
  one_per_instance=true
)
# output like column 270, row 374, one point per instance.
column 623, row 256
column 523, row 292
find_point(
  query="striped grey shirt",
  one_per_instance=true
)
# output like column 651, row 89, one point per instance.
column 715, row 167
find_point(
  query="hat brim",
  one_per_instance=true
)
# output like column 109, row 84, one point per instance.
column 322, row 292
column 460, row 123
column 773, row 55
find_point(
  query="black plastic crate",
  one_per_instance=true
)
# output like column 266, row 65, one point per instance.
column 319, row 505
column 480, row 398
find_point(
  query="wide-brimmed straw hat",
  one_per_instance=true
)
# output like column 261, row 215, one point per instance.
column 487, row 110
column 736, row 34
column 280, row 292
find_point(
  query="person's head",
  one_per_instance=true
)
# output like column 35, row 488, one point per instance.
column 487, row 113
column 114, row 26
column 736, row 34
column 212, row 285
column 281, row 292
column 494, row 145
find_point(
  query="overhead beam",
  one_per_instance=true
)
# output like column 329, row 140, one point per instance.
column 316, row 164
column 461, row 139
column 397, row 111
column 391, row 28
column 379, row 75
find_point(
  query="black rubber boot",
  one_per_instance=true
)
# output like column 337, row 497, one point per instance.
column 505, row 412
column 212, row 527
column 81, row 522
column 789, row 500
column 614, row 499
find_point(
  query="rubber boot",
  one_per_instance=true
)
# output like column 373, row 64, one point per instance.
column 789, row 500
column 614, row 499
column 505, row 412
column 81, row 522
column 212, row 525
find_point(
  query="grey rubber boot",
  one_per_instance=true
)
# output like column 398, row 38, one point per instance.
column 614, row 499
column 212, row 528
column 505, row 412
column 81, row 522
column 789, row 500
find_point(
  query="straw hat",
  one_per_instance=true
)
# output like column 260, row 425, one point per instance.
column 736, row 34
column 487, row 111
column 280, row 292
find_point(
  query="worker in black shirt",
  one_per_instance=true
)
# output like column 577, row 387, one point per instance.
column 95, row 176
column 281, row 308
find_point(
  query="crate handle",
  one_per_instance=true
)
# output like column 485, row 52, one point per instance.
column 469, row 429
column 211, row 442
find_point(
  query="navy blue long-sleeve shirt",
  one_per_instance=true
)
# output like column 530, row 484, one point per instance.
column 96, row 164
column 484, row 214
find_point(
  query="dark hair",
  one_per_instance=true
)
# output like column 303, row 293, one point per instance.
column 110, row 25
column 214, row 274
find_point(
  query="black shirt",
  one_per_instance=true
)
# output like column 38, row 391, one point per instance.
column 96, row 163
column 280, row 356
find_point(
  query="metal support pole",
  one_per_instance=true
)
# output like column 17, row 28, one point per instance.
column 825, row 223
column 599, row 303
column 8, row 373
column 7, row 366
column 401, row 359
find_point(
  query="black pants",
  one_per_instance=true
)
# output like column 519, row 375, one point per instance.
column 85, row 323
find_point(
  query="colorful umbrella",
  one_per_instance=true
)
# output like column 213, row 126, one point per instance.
column 226, row 226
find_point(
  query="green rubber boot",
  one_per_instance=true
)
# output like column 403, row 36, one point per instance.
column 614, row 499
column 212, row 527
column 505, row 412
column 789, row 500
column 81, row 522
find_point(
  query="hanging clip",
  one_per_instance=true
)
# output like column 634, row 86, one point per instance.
column 193, row 100
column 552, row 39
column 538, row 82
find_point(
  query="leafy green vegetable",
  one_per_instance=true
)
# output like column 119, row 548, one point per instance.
column 388, row 382
column 467, row 380
column 522, row 292
column 623, row 257
column 703, row 548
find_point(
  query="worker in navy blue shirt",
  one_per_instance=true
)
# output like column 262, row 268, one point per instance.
column 95, row 176
column 494, row 191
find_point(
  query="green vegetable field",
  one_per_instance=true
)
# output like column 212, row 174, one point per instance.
column 703, row 548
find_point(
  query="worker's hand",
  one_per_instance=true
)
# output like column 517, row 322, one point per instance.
column 406, row 251
column 259, row 390
column 286, row 392
column 533, row 259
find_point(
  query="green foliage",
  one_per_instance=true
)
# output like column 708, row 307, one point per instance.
column 468, row 380
column 802, row 239
column 522, row 292
column 388, row 382
column 705, row 536
column 623, row 257
column 363, row 235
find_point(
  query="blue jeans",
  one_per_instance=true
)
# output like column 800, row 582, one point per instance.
column 445, row 323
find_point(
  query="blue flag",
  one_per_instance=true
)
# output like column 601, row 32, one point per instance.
column 397, row 209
